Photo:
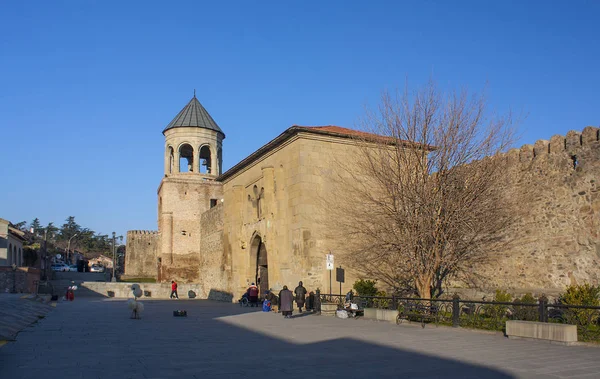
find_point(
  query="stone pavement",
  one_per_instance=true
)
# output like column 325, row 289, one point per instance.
column 18, row 311
column 94, row 338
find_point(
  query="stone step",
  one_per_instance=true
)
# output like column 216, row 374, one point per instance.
column 17, row 313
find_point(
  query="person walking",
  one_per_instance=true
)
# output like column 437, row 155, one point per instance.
column 174, row 289
column 286, row 302
column 300, row 293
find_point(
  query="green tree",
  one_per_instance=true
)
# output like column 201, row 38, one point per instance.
column 366, row 287
column 585, row 294
column 36, row 226
column 20, row 225
column 50, row 231
column 69, row 228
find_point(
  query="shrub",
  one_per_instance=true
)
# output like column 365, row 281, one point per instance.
column 502, row 296
column 526, row 313
column 366, row 287
column 499, row 311
column 381, row 303
column 585, row 294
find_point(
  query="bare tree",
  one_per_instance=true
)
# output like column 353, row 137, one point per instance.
column 424, row 199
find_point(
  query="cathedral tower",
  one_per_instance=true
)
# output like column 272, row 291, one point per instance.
column 193, row 160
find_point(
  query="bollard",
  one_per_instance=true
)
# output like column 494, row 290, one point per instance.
column 455, row 311
column 543, row 308
column 318, row 302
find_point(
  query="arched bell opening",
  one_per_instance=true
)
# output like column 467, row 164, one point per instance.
column 205, row 160
column 186, row 158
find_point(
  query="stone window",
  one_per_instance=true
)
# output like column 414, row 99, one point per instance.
column 213, row 203
column 171, row 159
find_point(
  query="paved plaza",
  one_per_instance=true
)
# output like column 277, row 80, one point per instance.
column 95, row 338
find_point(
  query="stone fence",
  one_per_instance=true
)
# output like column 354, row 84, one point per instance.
column 21, row 280
column 151, row 290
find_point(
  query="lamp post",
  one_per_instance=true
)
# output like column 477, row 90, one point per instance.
column 14, row 270
column 114, row 260
column 45, row 255
column 69, row 245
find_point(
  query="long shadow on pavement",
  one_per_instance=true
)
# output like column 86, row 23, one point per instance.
column 96, row 339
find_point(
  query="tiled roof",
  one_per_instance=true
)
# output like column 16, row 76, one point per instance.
column 194, row 115
column 330, row 130
column 351, row 133
column 338, row 130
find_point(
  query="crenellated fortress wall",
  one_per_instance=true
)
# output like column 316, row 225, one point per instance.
column 556, row 235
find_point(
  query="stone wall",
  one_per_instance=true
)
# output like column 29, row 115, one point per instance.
column 141, row 253
column 215, row 264
column 22, row 280
column 556, row 239
column 154, row 290
column 183, row 198
column 290, row 178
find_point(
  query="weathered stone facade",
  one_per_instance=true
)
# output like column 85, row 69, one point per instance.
column 142, row 251
column 19, row 280
column 556, row 240
column 215, row 265
column 261, row 220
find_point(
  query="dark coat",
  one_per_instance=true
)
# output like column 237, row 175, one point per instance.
column 286, row 301
column 300, row 293
column 272, row 298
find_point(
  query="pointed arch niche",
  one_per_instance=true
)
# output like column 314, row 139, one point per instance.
column 259, row 263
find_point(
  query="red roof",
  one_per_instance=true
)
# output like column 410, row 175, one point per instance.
column 332, row 129
column 339, row 130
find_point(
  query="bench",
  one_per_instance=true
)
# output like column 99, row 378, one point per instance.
column 417, row 310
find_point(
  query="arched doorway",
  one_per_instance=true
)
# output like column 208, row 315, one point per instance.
column 260, row 263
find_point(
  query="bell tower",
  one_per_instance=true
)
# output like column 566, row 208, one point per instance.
column 193, row 160
column 193, row 143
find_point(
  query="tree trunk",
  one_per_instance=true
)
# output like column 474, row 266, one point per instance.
column 423, row 284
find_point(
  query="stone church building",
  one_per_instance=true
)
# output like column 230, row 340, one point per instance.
column 253, row 223
column 259, row 221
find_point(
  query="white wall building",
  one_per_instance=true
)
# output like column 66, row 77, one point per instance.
column 11, row 245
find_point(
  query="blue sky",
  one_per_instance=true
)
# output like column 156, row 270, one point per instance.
column 86, row 87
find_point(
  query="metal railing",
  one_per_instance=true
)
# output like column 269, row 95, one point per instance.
column 489, row 315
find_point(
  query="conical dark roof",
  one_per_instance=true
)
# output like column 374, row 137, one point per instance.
column 194, row 115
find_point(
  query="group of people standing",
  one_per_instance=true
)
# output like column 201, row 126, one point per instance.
column 286, row 298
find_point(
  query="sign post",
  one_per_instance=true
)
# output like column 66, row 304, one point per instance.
column 329, row 263
column 339, row 276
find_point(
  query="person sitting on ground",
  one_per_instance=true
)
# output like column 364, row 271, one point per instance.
column 273, row 299
column 252, row 293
